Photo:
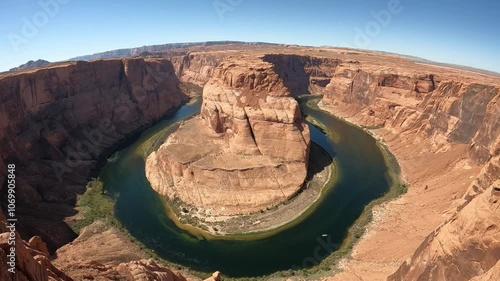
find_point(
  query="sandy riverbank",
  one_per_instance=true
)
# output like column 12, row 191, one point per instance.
column 266, row 222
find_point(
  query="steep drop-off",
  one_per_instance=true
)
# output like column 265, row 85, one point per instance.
column 441, row 111
column 449, row 111
column 56, row 122
column 31, row 260
column 74, row 112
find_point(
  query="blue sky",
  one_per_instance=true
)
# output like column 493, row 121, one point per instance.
column 453, row 31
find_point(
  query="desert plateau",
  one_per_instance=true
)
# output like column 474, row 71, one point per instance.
column 363, row 144
column 247, row 153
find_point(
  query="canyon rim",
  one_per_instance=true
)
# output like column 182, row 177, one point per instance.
column 441, row 123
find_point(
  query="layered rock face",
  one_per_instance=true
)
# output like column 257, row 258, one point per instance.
column 196, row 68
column 32, row 261
column 59, row 114
column 303, row 74
column 442, row 112
column 56, row 122
column 247, row 152
column 449, row 111
column 468, row 243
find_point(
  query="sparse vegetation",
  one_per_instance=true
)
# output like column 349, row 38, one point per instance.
column 95, row 204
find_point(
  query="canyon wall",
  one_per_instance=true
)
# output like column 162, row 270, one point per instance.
column 56, row 122
column 32, row 259
column 300, row 74
column 465, row 246
column 247, row 152
column 196, row 68
column 448, row 111
column 303, row 74
column 440, row 111
column 468, row 243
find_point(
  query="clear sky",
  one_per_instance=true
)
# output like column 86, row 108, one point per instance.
column 454, row 31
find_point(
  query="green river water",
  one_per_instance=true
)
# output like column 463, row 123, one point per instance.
column 361, row 177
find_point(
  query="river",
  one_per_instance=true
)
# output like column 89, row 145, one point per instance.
column 362, row 177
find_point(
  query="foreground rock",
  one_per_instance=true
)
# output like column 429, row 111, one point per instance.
column 247, row 152
column 31, row 64
column 32, row 260
column 102, row 252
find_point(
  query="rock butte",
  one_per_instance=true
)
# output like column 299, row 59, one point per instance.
column 442, row 123
column 247, row 152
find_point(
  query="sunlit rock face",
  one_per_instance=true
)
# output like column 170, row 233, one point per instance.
column 247, row 151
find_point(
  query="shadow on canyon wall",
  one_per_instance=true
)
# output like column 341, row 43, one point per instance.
column 58, row 123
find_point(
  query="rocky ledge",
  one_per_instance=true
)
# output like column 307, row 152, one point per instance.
column 247, row 151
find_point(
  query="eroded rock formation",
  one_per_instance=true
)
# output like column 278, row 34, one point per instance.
column 303, row 74
column 247, row 152
column 46, row 113
column 32, row 259
column 467, row 245
column 56, row 122
column 441, row 110
column 449, row 111
column 102, row 252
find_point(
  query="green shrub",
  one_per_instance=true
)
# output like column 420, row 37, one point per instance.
column 95, row 204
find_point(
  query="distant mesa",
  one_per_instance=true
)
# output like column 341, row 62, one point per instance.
column 140, row 51
column 31, row 64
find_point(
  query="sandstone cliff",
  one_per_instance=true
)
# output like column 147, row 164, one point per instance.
column 100, row 253
column 419, row 103
column 32, row 260
column 440, row 111
column 247, row 152
column 196, row 68
column 56, row 122
column 467, row 245
column 46, row 113
column 303, row 74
